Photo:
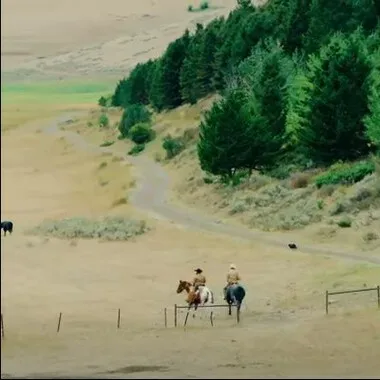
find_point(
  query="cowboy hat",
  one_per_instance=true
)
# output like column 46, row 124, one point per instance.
column 232, row 266
column 198, row 270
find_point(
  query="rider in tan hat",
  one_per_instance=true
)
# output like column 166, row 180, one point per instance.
column 233, row 277
column 199, row 279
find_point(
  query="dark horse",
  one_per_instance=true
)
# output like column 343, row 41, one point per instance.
column 234, row 296
column 7, row 226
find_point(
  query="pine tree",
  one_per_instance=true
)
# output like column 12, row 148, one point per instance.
column 328, row 17
column 372, row 120
column 329, row 101
column 171, row 64
column 224, row 136
column 188, row 84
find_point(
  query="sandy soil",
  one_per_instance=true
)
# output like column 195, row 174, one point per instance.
column 53, row 39
column 283, row 332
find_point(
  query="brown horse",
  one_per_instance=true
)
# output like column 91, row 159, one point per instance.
column 193, row 298
column 201, row 297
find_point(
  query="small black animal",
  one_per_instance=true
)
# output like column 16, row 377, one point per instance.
column 292, row 246
column 6, row 226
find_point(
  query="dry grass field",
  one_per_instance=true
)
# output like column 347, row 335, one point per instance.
column 57, row 172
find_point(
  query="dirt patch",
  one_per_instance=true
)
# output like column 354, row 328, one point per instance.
column 134, row 369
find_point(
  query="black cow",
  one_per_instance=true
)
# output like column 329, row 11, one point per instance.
column 6, row 226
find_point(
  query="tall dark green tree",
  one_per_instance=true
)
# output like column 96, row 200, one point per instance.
column 188, row 83
column 266, row 75
column 166, row 82
column 225, row 135
column 328, row 17
column 210, row 42
column 372, row 120
column 156, row 89
column 330, row 100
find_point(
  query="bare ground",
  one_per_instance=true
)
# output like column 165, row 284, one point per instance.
column 283, row 332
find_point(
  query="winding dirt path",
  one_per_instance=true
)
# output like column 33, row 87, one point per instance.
column 152, row 189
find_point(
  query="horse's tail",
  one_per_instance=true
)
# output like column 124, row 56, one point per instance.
column 212, row 296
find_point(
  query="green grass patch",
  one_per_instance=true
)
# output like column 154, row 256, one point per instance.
column 57, row 92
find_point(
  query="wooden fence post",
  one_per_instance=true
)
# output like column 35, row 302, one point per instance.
column 59, row 322
column 165, row 317
column 2, row 327
column 327, row 302
column 175, row 315
column 118, row 318
column 378, row 296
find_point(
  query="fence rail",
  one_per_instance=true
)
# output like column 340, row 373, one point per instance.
column 177, row 307
column 327, row 294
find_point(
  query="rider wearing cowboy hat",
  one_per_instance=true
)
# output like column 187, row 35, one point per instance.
column 199, row 279
column 233, row 278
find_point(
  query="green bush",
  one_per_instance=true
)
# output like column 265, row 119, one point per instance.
column 132, row 115
column 102, row 101
column 190, row 8
column 141, row 133
column 173, row 146
column 204, row 5
column 103, row 120
column 345, row 174
column 344, row 223
column 136, row 149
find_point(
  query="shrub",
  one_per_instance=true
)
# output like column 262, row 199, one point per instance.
column 103, row 120
column 327, row 191
column 136, row 149
column 190, row 8
column 172, row 146
column 141, row 133
column 109, row 228
column 370, row 236
column 299, row 180
column 132, row 115
column 347, row 174
column 345, row 222
column 204, row 5
column 106, row 143
column 102, row 101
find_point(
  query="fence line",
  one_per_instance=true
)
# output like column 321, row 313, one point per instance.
column 327, row 294
column 176, row 307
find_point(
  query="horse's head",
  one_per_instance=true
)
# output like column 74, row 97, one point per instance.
column 183, row 285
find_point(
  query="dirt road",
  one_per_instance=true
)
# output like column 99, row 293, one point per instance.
column 152, row 190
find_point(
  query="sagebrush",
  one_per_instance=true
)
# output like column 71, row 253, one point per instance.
column 108, row 228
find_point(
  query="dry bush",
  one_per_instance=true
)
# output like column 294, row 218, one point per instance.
column 119, row 202
column 102, row 165
column 190, row 134
column 327, row 191
column 299, row 180
column 109, row 228
column 157, row 157
column 370, row 236
column 238, row 207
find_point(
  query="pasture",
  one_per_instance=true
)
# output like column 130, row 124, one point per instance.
column 283, row 331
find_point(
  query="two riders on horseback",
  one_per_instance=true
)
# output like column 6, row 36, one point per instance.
column 233, row 278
